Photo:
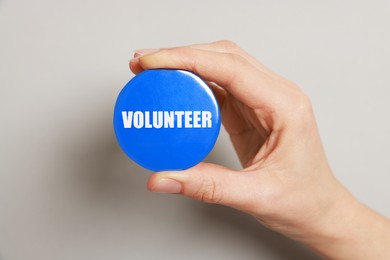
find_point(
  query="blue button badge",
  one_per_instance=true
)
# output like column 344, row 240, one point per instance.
column 166, row 119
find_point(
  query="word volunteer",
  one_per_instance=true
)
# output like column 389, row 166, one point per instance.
column 167, row 119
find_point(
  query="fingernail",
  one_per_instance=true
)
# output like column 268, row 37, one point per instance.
column 167, row 186
column 139, row 53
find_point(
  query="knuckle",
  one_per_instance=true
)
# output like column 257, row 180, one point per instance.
column 228, row 45
column 299, row 109
column 208, row 191
column 303, row 106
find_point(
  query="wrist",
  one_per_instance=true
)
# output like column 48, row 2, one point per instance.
column 350, row 230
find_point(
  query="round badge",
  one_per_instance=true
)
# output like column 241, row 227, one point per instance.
column 166, row 119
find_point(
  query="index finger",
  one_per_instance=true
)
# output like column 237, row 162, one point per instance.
column 251, row 86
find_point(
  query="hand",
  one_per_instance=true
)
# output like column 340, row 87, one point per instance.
column 286, row 182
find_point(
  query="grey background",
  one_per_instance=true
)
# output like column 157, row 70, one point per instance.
column 66, row 189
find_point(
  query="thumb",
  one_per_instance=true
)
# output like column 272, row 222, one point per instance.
column 205, row 182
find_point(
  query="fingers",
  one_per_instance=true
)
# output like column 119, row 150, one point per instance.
column 139, row 53
column 224, row 46
column 231, row 71
column 227, row 46
column 275, row 100
column 219, row 93
column 208, row 183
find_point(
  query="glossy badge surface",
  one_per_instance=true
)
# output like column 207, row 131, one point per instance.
column 166, row 119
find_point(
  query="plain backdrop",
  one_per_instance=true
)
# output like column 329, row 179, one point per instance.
column 67, row 191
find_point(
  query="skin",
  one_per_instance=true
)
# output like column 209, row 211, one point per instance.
column 286, row 182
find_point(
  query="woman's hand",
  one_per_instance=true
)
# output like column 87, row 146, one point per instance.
column 286, row 182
